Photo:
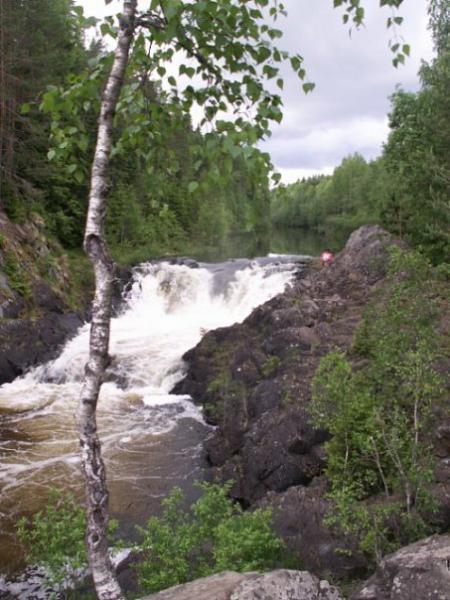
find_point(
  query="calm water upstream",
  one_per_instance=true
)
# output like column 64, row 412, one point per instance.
column 152, row 440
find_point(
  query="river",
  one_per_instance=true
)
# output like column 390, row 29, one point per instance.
column 152, row 440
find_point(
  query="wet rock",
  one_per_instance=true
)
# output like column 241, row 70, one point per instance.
column 278, row 452
column 280, row 585
column 121, row 283
column 264, row 398
column 12, row 307
column 46, row 298
column 443, row 438
column 420, row 571
column 35, row 316
column 26, row 342
column 185, row 261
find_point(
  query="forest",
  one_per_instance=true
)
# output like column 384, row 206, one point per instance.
column 405, row 190
column 160, row 199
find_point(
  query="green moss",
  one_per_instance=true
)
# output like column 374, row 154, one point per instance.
column 81, row 280
column 18, row 278
column 222, row 389
column 270, row 366
column 287, row 398
column 220, row 383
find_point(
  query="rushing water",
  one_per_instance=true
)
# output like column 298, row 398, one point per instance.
column 151, row 438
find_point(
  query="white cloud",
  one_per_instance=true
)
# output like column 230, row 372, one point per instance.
column 354, row 78
column 313, row 148
column 293, row 175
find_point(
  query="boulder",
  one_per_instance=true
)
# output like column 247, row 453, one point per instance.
column 27, row 342
column 420, row 571
column 298, row 517
column 275, row 585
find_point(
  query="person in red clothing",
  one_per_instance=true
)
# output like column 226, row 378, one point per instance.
column 326, row 258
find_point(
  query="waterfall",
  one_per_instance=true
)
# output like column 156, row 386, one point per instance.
column 166, row 310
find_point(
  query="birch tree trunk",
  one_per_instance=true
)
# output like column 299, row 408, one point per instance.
column 106, row 585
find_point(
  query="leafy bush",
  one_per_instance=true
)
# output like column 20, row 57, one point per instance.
column 380, row 414
column 17, row 276
column 55, row 538
column 270, row 366
column 213, row 536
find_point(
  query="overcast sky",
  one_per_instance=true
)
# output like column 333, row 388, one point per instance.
column 354, row 76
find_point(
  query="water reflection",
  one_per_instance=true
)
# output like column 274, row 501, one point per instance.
column 277, row 240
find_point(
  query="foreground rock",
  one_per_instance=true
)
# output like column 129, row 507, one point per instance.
column 420, row 571
column 276, row 585
column 298, row 517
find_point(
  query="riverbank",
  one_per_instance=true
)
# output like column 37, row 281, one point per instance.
column 254, row 382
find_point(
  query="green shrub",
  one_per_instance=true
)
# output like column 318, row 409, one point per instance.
column 380, row 415
column 17, row 275
column 270, row 366
column 54, row 538
column 214, row 535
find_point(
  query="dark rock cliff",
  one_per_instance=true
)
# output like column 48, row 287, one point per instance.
column 44, row 297
column 35, row 315
column 254, row 383
column 253, row 379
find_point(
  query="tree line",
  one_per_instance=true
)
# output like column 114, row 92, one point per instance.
column 406, row 189
column 159, row 193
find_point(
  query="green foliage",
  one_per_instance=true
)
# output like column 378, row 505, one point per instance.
column 340, row 202
column 54, row 538
column 355, row 13
column 439, row 12
column 197, row 186
column 215, row 535
column 184, row 186
column 380, row 414
column 33, row 37
column 270, row 366
column 417, row 161
column 417, row 152
column 18, row 279
column 81, row 281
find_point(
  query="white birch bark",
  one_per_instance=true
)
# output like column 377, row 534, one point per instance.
column 106, row 585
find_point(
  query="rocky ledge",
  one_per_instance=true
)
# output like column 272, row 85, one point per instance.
column 254, row 383
column 280, row 585
column 42, row 303
column 419, row 571
column 35, row 316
